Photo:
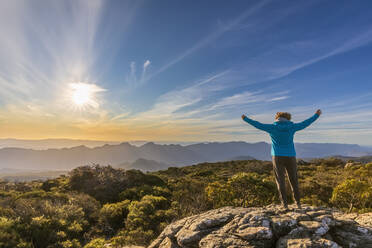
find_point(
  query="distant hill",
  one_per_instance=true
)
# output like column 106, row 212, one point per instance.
column 217, row 151
column 161, row 155
column 144, row 165
column 362, row 159
column 43, row 144
column 8, row 170
column 242, row 158
column 27, row 176
column 320, row 150
column 68, row 158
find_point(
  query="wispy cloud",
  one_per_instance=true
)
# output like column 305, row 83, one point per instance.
column 145, row 65
column 249, row 97
column 134, row 79
column 167, row 104
column 131, row 78
column 213, row 36
column 283, row 60
column 279, row 98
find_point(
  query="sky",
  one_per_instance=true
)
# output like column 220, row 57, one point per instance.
column 185, row 71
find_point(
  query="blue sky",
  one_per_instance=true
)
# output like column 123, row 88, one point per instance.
column 185, row 70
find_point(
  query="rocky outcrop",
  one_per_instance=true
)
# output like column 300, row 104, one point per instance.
column 269, row 226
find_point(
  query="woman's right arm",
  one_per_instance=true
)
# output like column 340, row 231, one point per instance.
column 258, row 125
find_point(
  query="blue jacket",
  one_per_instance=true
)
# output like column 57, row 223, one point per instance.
column 281, row 133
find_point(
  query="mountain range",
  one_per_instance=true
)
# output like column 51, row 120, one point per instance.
column 52, row 143
column 42, row 144
column 153, row 156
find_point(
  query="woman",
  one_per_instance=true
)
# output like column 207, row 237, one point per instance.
column 283, row 150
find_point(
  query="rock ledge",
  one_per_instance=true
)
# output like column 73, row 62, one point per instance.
column 269, row 226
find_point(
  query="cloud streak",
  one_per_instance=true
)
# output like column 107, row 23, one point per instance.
column 212, row 36
column 248, row 97
column 168, row 104
column 134, row 79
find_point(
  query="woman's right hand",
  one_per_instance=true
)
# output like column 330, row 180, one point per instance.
column 243, row 116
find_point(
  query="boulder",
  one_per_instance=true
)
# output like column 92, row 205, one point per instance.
column 270, row 226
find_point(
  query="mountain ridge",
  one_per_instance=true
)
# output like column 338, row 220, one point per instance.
column 171, row 154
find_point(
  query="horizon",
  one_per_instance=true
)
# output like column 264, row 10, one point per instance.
column 45, row 144
column 184, row 72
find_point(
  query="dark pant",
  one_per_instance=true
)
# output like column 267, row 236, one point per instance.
column 280, row 165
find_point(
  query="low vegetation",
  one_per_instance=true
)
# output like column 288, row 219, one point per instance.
column 95, row 205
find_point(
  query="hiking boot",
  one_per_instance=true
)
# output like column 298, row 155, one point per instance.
column 285, row 207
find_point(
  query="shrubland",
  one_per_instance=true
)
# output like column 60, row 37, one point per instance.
column 97, row 205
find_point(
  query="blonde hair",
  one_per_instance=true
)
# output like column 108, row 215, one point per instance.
column 284, row 115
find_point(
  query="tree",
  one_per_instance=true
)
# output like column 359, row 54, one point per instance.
column 352, row 194
column 105, row 183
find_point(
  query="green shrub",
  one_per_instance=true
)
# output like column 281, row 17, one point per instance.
column 9, row 235
column 352, row 195
column 145, row 221
column 113, row 215
column 243, row 189
column 96, row 243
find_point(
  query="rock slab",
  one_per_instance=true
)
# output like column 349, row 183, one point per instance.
column 270, row 226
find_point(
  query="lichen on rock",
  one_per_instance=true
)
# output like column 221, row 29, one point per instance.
column 270, row 226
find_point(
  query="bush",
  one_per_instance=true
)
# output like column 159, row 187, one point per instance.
column 119, row 207
column 315, row 193
column 9, row 235
column 136, row 193
column 112, row 216
column 243, row 189
column 96, row 243
column 353, row 194
column 144, row 221
column 328, row 162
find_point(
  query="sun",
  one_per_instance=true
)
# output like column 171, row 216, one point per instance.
column 84, row 94
column 81, row 95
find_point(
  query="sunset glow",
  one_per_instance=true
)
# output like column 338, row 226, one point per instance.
column 82, row 69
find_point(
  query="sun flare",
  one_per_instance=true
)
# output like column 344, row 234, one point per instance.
column 84, row 94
